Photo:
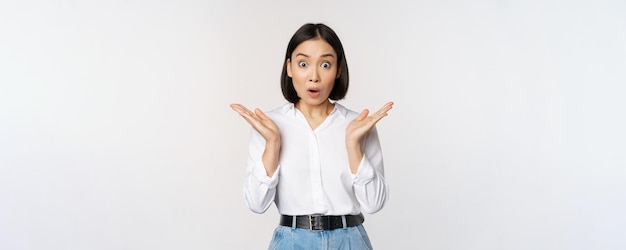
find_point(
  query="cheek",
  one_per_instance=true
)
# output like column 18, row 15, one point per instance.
column 298, row 75
column 298, row 83
column 330, row 78
column 298, row 79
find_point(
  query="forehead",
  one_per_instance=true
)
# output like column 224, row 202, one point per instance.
column 314, row 48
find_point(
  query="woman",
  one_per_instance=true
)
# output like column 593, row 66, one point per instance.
column 319, row 162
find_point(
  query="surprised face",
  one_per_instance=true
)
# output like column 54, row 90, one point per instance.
column 313, row 69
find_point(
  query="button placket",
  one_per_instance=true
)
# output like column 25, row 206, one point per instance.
column 316, row 173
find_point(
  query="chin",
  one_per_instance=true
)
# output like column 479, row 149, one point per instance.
column 312, row 102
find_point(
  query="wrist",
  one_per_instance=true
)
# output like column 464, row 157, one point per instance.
column 353, row 144
column 273, row 143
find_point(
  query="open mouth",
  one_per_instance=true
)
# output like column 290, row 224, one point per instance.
column 314, row 92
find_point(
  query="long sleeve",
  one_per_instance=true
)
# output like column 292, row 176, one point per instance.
column 259, row 189
column 369, row 183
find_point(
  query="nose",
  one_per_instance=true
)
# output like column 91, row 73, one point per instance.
column 314, row 76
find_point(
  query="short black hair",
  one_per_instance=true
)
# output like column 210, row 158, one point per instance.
column 312, row 31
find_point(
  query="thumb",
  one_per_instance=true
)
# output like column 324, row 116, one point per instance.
column 260, row 113
column 363, row 115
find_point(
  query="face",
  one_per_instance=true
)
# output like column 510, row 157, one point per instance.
column 313, row 70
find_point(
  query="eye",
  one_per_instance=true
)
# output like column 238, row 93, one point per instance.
column 302, row 64
column 325, row 65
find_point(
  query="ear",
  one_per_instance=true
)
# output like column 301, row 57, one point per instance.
column 338, row 73
column 288, row 62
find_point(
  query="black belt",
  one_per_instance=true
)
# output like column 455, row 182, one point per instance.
column 318, row 222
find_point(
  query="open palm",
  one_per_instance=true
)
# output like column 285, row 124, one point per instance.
column 363, row 123
column 260, row 122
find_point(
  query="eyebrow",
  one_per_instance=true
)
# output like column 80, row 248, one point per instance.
column 324, row 55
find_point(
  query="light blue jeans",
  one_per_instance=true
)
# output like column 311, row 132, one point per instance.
column 350, row 238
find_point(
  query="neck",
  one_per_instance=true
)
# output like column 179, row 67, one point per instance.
column 320, row 110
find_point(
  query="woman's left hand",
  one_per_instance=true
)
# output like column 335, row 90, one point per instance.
column 363, row 123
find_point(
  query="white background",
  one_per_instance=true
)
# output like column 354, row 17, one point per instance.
column 507, row 133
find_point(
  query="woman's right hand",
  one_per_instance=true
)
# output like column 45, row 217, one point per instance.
column 260, row 122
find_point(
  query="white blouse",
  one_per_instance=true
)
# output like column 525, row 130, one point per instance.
column 313, row 174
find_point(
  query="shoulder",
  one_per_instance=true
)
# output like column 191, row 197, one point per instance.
column 280, row 111
column 346, row 112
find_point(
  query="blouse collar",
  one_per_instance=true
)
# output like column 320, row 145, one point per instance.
column 290, row 108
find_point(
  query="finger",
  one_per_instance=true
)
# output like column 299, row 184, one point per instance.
column 389, row 105
column 238, row 108
column 243, row 111
column 260, row 114
column 382, row 112
column 386, row 107
column 250, row 119
column 246, row 114
column 363, row 115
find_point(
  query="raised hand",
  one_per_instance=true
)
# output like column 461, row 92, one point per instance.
column 357, row 129
column 260, row 122
column 363, row 123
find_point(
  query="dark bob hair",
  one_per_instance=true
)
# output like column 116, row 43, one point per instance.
column 312, row 31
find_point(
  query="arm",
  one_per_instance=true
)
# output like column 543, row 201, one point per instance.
column 365, row 159
column 269, row 132
column 262, row 165
column 357, row 130
column 369, row 183
column 259, row 185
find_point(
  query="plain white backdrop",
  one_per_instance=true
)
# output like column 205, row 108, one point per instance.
column 507, row 132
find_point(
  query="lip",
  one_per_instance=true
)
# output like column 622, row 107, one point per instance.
column 313, row 92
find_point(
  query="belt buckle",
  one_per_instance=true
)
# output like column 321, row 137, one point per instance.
column 315, row 223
